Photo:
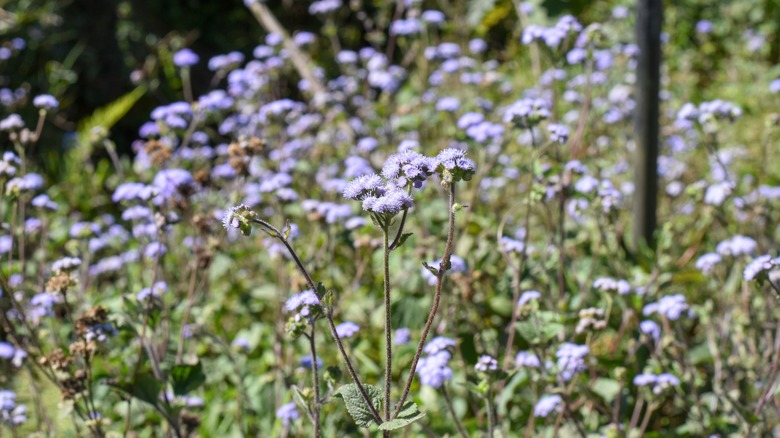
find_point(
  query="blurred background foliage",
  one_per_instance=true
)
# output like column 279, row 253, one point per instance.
column 88, row 53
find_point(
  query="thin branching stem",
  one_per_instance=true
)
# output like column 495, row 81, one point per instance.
column 274, row 232
column 490, row 414
column 451, row 408
column 400, row 231
column 443, row 266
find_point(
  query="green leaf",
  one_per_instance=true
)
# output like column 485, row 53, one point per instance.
column 402, row 240
column 328, row 299
column 301, row 399
column 355, row 404
column 431, row 269
column 479, row 389
column 106, row 117
column 145, row 388
column 536, row 332
column 408, row 415
column 477, row 10
column 607, row 389
column 187, row 378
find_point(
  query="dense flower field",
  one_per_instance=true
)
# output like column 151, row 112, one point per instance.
column 430, row 235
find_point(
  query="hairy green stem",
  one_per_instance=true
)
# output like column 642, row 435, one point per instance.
column 388, row 327
column 445, row 261
column 316, row 378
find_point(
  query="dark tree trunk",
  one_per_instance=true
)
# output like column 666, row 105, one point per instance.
column 646, row 124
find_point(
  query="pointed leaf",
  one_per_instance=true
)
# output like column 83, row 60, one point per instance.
column 145, row 388
column 106, row 117
column 355, row 404
column 408, row 415
column 403, row 239
column 607, row 389
column 430, row 268
column 187, row 378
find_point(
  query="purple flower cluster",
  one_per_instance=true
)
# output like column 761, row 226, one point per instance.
column 707, row 114
column 670, row 307
column 547, row 405
column 12, row 354
column 457, row 264
column 761, row 266
column 486, row 364
column 303, row 304
column 11, row 413
column 552, row 36
column 608, row 284
column 46, row 102
column 707, row 262
column 377, row 196
column 433, row 369
column 650, row 328
column 736, row 246
column 527, row 113
column 528, row 296
column 571, row 360
column 453, row 166
column 659, row 382
column 185, row 58
column 527, row 359
column 156, row 291
column 66, row 264
column 408, row 167
column 347, row 329
column 287, row 413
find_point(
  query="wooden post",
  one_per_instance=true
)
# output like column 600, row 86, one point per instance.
column 646, row 126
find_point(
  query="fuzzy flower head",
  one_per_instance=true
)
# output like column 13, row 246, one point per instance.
column 558, row 133
column 347, row 329
column 571, row 360
column 438, row 344
column 651, row 329
column 408, row 167
column 401, row 336
column 11, row 413
column 46, row 102
column 66, row 264
column 760, row 267
column 185, row 58
column 453, row 166
column 670, row 306
column 304, row 303
column 156, row 291
column 239, row 217
column 433, row 370
column 527, row 113
column 707, row 262
column 528, row 296
column 736, row 246
column 547, row 405
column 287, row 413
column 486, row 364
column 391, row 202
column 608, row 284
column 364, row 186
column 658, row 383
column 526, row 359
